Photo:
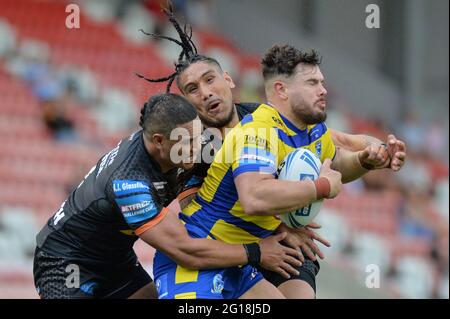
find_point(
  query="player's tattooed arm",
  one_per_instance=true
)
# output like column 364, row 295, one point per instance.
column 349, row 164
column 353, row 142
column 170, row 237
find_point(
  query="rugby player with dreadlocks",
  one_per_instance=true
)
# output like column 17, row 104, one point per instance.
column 202, row 80
column 86, row 249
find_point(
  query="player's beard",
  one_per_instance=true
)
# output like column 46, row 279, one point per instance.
column 314, row 118
column 219, row 123
column 308, row 116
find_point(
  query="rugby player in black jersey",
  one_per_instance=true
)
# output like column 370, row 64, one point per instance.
column 203, row 82
column 86, row 249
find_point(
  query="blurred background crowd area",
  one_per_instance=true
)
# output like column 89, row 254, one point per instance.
column 69, row 95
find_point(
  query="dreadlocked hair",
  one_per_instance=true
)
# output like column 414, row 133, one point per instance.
column 188, row 55
column 164, row 112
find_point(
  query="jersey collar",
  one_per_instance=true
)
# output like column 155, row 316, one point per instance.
column 288, row 123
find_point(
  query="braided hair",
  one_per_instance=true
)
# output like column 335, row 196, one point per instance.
column 188, row 55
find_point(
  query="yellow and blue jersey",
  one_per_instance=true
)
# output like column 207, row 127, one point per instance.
column 259, row 143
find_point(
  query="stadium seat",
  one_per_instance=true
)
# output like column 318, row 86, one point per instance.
column 371, row 249
column 334, row 229
column 415, row 278
column 20, row 222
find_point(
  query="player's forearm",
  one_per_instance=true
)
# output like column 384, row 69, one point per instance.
column 206, row 253
column 353, row 142
column 366, row 141
column 272, row 197
column 348, row 164
column 170, row 237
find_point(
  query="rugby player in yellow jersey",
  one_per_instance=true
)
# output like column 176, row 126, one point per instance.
column 240, row 197
column 203, row 82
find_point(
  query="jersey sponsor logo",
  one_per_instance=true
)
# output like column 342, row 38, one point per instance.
column 254, row 155
column 137, row 208
column 252, row 158
column 218, row 284
column 159, row 185
column 255, row 140
column 277, row 120
column 125, row 187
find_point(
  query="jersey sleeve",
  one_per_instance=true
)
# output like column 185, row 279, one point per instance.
column 136, row 203
column 254, row 149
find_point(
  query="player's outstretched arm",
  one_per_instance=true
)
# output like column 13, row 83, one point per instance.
column 350, row 164
column 390, row 154
column 353, row 165
column 171, row 237
column 353, row 142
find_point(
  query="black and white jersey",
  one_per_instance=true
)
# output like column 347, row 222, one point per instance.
column 122, row 196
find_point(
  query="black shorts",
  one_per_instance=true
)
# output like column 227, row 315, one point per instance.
column 308, row 272
column 60, row 278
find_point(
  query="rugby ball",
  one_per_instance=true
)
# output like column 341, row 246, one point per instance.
column 299, row 165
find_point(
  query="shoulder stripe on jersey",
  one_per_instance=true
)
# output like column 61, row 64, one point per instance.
column 254, row 168
column 295, row 141
column 155, row 221
column 247, row 119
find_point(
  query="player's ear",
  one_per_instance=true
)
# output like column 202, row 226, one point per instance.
column 230, row 81
column 157, row 140
column 281, row 89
